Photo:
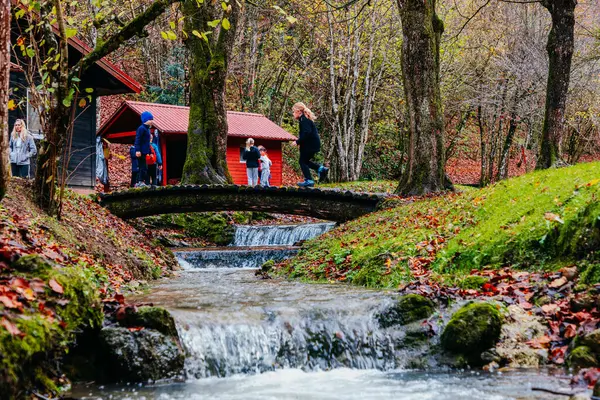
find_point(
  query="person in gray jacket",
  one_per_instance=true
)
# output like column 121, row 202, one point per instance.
column 22, row 148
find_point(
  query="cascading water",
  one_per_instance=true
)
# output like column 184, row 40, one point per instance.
column 278, row 235
column 252, row 246
column 247, row 338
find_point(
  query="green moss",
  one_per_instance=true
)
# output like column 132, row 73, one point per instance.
column 409, row 308
column 153, row 318
column 472, row 282
column 474, row 328
column 582, row 357
column 215, row 227
column 539, row 221
column 29, row 361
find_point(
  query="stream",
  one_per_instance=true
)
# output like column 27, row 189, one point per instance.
column 248, row 338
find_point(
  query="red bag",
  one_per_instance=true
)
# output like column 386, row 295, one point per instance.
column 151, row 158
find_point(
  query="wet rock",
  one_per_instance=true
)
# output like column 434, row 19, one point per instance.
column 156, row 318
column 518, row 328
column 584, row 301
column 473, row 329
column 409, row 308
column 582, row 357
column 140, row 356
column 591, row 340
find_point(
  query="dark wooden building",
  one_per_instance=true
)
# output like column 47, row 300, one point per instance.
column 104, row 77
column 172, row 123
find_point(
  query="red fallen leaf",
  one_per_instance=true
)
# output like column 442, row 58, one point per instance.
column 37, row 285
column 550, row 308
column 121, row 313
column 525, row 305
column 63, row 324
column 591, row 376
column 540, row 342
column 136, row 329
column 19, row 283
column 120, row 298
column 8, row 302
column 11, row 328
column 555, row 284
column 488, row 287
column 570, row 331
column 56, row 286
column 557, row 355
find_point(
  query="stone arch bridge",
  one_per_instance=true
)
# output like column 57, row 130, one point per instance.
column 328, row 204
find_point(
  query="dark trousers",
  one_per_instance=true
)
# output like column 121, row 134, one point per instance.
column 134, row 178
column 143, row 173
column 306, row 163
column 20, row 171
column 151, row 178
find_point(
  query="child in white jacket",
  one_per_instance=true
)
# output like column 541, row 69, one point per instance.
column 265, row 162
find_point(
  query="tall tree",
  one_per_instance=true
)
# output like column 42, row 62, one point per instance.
column 560, row 46
column 422, row 30
column 4, row 83
column 209, row 58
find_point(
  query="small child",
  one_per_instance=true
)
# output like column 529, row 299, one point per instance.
column 266, row 163
column 251, row 155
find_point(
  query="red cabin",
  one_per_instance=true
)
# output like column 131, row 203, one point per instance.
column 172, row 123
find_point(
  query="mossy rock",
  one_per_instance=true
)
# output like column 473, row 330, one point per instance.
column 582, row 357
column 140, row 356
column 156, row 318
column 408, row 308
column 211, row 226
column 591, row 340
column 32, row 264
column 473, row 282
column 474, row 328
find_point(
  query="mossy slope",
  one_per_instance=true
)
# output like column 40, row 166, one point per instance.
column 545, row 219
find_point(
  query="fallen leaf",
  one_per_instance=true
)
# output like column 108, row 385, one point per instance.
column 555, row 284
column 8, row 302
column 136, row 329
column 56, row 286
column 553, row 217
column 10, row 327
column 570, row 331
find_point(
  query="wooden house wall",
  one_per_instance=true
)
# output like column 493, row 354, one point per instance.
column 237, row 168
column 82, row 165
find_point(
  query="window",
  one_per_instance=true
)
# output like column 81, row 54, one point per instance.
column 242, row 148
column 34, row 125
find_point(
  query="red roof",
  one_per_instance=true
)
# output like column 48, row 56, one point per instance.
column 106, row 65
column 174, row 120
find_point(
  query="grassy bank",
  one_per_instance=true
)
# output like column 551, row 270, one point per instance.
column 54, row 276
column 540, row 221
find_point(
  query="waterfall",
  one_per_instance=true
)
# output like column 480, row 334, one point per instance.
column 321, row 341
column 229, row 257
column 278, row 235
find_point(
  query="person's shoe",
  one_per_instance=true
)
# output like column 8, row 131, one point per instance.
column 140, row 185
column 307, row 183
column 323, row 173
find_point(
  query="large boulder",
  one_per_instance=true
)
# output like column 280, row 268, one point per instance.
column 474, row 328
column 409, row 308
column 156, row 318
column 140, row 355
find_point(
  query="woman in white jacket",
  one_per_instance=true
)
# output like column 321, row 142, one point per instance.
column 22, row 148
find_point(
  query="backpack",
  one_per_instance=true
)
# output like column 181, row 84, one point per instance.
column 151, row 158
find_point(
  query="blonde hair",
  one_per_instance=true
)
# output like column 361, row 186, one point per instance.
column 23, row 134
column 249, row 141
column 305, row 110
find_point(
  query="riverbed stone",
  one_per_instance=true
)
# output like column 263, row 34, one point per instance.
column 150, row 317
column 591, row 340
column 140, row 356
column 582, row 357
column 474, row 328
column 409, row 308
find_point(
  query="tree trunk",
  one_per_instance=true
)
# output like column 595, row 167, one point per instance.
column 422, row 30
column 206, row 160
column 4, row 84
column 560, row 47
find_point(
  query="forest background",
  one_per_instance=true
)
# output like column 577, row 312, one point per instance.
column 345, row 63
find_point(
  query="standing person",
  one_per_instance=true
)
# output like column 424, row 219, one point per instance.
column 310, row 145
column 135, row 169
column 154, row 162
column 22, row 148
column 251, row 155
column 265, row 163
column 142, row 146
